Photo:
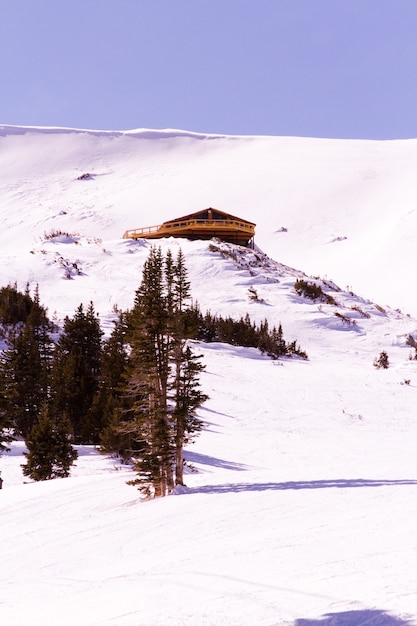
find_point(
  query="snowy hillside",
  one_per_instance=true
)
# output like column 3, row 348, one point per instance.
column 349, row 207
column 302, row 509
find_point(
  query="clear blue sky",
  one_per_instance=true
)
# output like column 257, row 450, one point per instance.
column 322, row 68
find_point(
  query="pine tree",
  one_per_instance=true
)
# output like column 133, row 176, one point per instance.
column 76, row 373
column 188, row 398
column 51, row 454
column 25, row 368
column 147, row 386
column 15, row 306
column 6, row 432
column 162, row 382
column 117, row 434
column 182, row 286
column 187, row 366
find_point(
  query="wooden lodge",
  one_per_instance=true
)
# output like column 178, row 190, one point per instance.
column 204, row 224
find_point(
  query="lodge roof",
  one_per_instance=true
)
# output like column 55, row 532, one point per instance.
column 209, row 213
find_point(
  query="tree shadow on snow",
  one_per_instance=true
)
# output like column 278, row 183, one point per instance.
column 203, row 459
column 302, row 484
column 354, row 618
column 207, row 410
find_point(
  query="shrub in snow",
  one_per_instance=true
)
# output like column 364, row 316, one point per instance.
column 345, row 319
column 312, row 291
column 253, row 295
column 382, row 361
column 63, row 235
column 361, row 312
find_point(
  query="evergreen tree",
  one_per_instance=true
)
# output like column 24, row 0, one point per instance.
column 76, row 374
column 25, row 369
column 6, row 432
column 118, row 433
column 147, row 386
column 51, row 454
column 182, row 286
column 188, row 397
column 242, row 332
column 15, row 306
column 163, row 378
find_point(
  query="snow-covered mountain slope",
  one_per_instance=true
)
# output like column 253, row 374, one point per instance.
column 302, row 506
column 348, row 207
column 302, row 510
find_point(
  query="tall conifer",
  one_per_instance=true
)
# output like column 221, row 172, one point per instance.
column 118, row 433
column 76, row 373
column 25, row 368
column 148, row 381
column 188, row 398
column 162, row 385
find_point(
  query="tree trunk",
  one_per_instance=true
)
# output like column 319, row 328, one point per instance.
column 179, row 461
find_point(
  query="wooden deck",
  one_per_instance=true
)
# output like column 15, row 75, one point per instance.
column 231, row 230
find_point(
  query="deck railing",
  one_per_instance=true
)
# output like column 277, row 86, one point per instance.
column 170, row 227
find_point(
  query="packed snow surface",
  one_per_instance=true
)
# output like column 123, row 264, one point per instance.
column 301, row 500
